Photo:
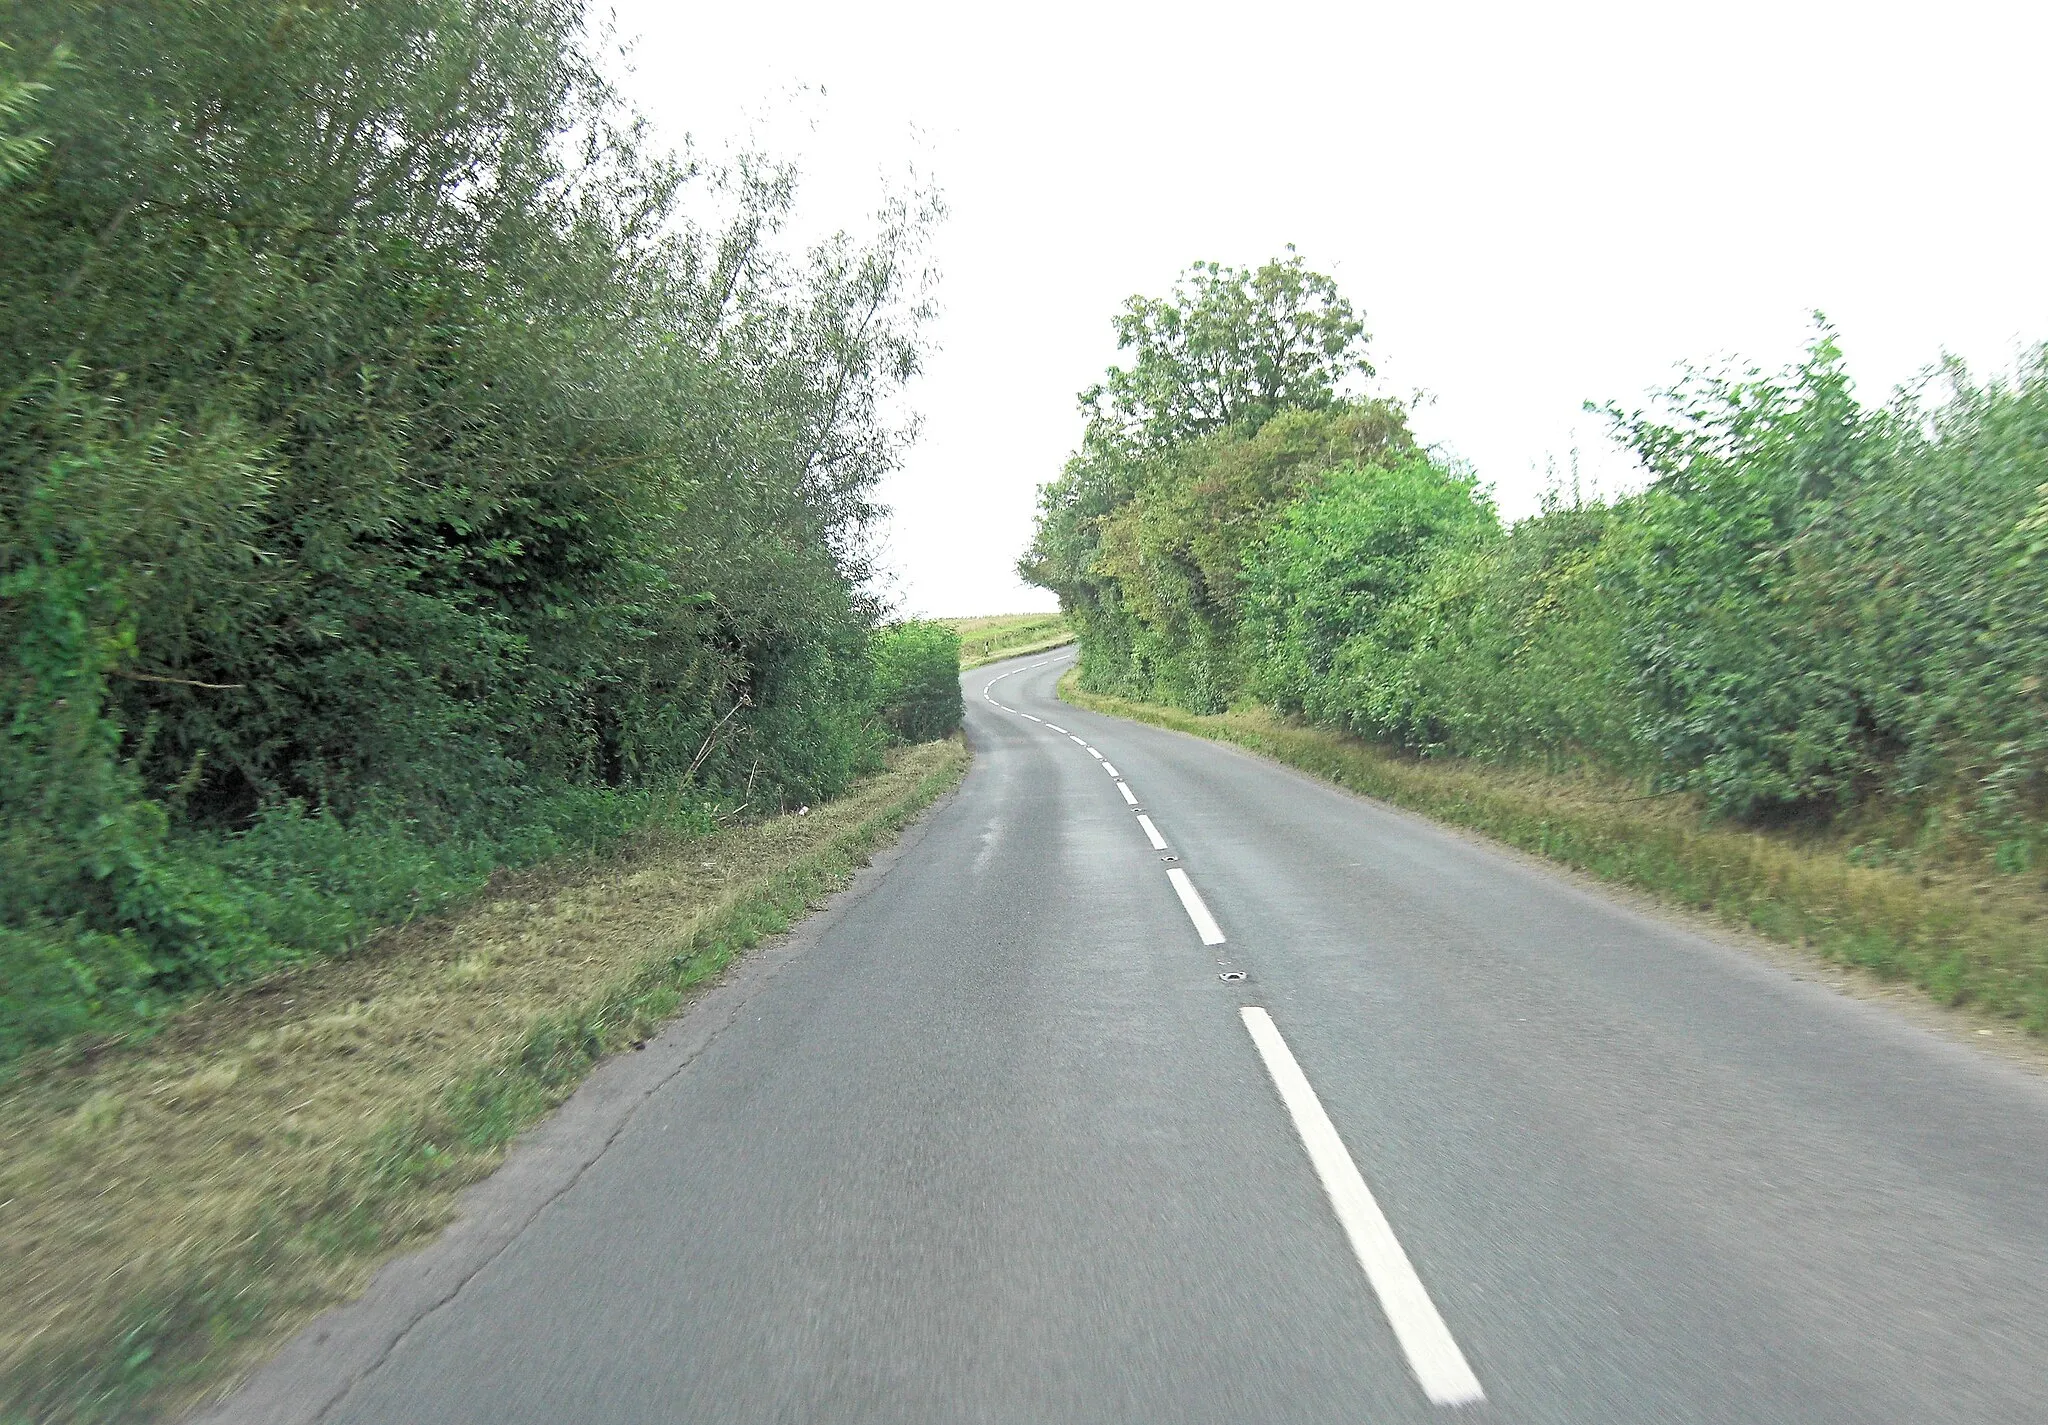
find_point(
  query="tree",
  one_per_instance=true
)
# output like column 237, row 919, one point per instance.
column 1232, row 347
column 386, row 442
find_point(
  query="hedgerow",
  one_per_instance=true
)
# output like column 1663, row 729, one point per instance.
column 917, row 679
column 393, row 458
column 1814, row 611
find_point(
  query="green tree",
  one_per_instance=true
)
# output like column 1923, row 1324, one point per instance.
column 386, row 442
column 1235, row 399
column 1230, row 348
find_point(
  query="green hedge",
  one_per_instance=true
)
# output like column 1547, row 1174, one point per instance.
column 398, row 467
column 917, row 679
column 1815, row 612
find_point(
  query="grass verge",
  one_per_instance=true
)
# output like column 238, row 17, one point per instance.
column 998, row 636
column 173, row 1209
column 1978, row 942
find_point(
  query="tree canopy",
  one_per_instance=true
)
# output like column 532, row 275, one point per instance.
column 391, row 436
column 1236, row 398
column 1230, row 347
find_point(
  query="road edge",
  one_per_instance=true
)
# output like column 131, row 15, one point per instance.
column 317, row 1368
column 1968, row 1026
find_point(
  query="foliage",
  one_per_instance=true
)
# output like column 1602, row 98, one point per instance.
column 1825, row 605
column 1236, row 399
column 1231, row 348
column 1814, row 610
column 20, row 148
column 1334, row 565
column 1148, row 552
column 917, row 679
column 1509, row 647
column 382, row 433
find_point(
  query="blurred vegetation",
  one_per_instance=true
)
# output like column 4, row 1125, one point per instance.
column 404, row 471
column 917, row 679
column 1816, row 614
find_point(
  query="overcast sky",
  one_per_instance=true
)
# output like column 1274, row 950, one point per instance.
column 1534, row 205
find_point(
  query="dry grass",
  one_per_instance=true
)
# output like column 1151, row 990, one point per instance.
column 171, row 1210
column 1964, row 938
column 993, row 637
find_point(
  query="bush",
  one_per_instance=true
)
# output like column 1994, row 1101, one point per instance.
column 917, row 680
column 390, row 465
column 1321, row 584
column 1814, row 611
column 1147, row 549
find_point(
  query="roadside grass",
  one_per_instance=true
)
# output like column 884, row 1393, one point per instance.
column 997, row 636
column 1963, row 939
column 172, row 1209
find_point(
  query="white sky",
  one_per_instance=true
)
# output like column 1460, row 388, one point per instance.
column 1533, row 205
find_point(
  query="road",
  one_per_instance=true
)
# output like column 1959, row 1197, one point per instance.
column 1001, row 1142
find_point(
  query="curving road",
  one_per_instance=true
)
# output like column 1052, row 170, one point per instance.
column 1350, row 1120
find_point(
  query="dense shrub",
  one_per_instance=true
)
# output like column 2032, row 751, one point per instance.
column 1813, row 608
column 381, row 436
column 1148, row 548
column 1334, row 564
column 1509, row 646
column 1235, row 394
column 917, row 679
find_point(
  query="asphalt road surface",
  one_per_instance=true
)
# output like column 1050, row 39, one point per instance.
column 1007, row 1139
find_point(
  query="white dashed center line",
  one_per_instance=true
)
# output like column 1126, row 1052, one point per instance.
column 1191, row 902
column 1432, row 1353
column 1425, row 1340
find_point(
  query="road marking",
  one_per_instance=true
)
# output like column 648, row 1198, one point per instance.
column 1011, row 674
column 1191, row 902
column 1129, row 796
column 1034, row 719
column 1055, row 727
column 1096, row 755
column 1111, row 770
column 1082, row 740
column 1433, row 1355
column 1151, row 831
